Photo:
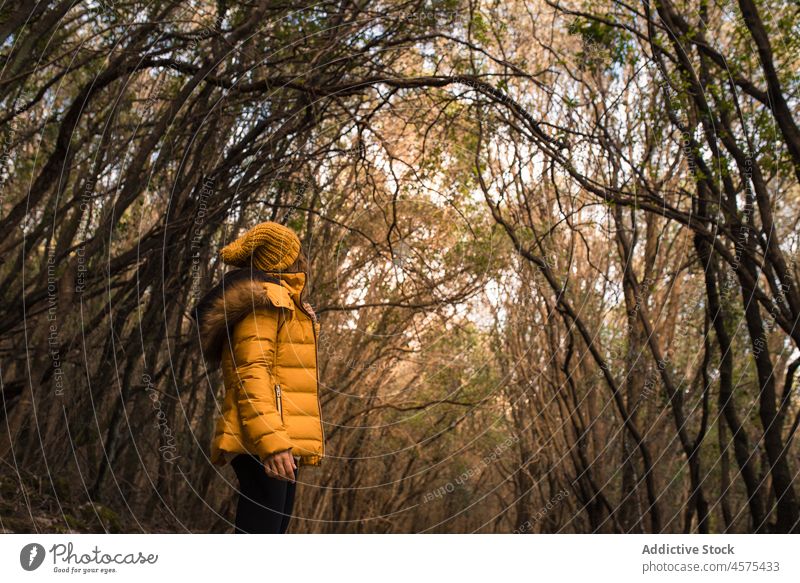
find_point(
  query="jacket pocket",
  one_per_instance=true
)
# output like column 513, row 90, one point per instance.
column 279, row 400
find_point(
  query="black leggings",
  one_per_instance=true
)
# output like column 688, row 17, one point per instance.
column 265, row 503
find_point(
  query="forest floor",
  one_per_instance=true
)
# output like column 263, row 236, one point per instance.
column 45, row 507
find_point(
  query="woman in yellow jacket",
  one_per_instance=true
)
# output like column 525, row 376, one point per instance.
column 258, row 327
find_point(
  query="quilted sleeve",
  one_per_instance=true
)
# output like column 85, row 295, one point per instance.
column 253, row 346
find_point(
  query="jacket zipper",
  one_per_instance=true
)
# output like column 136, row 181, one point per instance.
column 279, row 400
column 316, row 369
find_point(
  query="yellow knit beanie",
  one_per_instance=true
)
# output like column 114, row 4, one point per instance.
column 270, row 246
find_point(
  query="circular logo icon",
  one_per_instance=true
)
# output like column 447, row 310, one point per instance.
column 31, row 556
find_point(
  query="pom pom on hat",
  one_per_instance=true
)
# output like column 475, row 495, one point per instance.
column 270, row 246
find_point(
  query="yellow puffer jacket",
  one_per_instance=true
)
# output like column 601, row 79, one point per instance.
column 255, row 325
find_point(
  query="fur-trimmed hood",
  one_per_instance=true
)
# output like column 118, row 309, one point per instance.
column 239, row 293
